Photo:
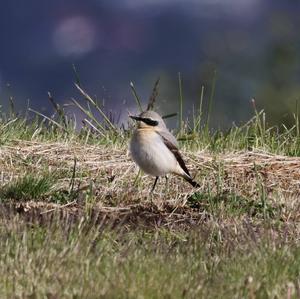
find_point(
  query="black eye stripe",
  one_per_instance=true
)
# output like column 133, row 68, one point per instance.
column 146, row 120
column 150, row 122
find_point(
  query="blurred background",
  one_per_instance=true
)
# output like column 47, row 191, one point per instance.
column 252, row 47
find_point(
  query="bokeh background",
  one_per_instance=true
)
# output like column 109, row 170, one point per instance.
column 252, row 45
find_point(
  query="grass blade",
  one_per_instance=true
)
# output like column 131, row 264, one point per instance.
column 153, row 96
column 95, row 105
column 180, row 103
column 136, row 97
column 211, row 97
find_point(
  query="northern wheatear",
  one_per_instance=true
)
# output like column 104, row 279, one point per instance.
column 155, row 149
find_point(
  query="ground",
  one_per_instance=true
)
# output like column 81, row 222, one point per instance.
column 78, row 221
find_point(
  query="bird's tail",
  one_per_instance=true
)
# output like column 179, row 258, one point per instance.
column 186, row 176
column 192, row 182
column 189, row 179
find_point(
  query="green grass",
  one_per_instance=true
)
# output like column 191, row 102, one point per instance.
column 235, row 237
column 27, row 188
column 80, row 261
column 222, row 205
column 98, row 128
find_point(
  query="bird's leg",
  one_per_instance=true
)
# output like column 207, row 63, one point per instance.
column 167, row 181
column 156, row 179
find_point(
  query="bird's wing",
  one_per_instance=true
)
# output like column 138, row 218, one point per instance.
column 166, row 134
column 173, row 148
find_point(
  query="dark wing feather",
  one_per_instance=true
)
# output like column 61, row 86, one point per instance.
column 173, row 148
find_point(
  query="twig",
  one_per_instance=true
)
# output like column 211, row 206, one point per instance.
column 59, row 207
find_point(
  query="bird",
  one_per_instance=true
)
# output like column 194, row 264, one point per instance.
column 155, row 150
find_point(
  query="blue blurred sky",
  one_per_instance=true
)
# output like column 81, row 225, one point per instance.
column 253, row 45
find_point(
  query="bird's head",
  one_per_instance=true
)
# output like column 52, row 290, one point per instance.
column 149, row 119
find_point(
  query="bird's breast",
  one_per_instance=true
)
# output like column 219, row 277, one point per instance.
column 151, row 154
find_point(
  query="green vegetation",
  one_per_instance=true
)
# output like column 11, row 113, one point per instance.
column 64, row 260
column 98, row 128
column 234, row 205
column 27, row 188
column 77, row 220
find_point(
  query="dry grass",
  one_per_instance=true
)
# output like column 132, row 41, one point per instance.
column 108, row 182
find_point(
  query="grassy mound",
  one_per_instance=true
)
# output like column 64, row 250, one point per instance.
column 77, row 219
